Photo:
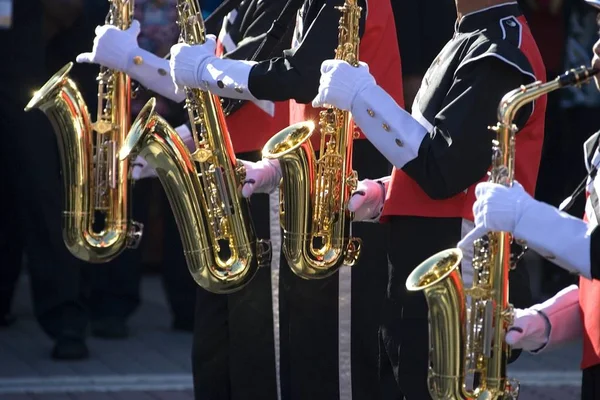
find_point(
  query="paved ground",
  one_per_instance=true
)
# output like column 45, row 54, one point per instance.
column 154, row 364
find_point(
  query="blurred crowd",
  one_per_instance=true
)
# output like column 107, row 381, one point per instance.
column 73, row 299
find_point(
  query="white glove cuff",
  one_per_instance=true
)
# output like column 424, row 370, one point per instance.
column 563, row 314
column 556, row 236
column 227, row 78
column 393, row 131
column 153, row 73
column 186, row 135
column 384, row 184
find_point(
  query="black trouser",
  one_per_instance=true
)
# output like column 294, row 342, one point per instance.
column 233, row 350
column 316, row 352
column 233, row 342
column 60, row 286
column 404, row 332
column 590, row 383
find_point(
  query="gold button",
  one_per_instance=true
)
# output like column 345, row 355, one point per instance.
column 137, row 60
column 371, row 113
column 162, row 72
column 386, row 127
column 399, row 143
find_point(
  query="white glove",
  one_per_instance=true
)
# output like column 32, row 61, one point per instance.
column 142, row 170
column 393, row 131
column 119, row 50
column 198, row 67
column 340, row 84
column 113, row 47
column 367, row 200
column 554, row 235
column 261, row 177
column 497, row 208
column 549, row 324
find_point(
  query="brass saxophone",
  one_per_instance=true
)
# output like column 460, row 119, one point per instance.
column 96, row 226
column 314, row 194
column 468, row 354
column 204, row 187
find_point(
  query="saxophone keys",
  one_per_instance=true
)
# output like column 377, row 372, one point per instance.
column 202, row 155
column 102, row 126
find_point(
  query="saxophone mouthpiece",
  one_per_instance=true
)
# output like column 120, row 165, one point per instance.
column 577, row 76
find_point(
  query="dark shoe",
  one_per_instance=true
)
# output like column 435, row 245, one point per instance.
column 7, row 320
column 70, row 348
column 110, row 328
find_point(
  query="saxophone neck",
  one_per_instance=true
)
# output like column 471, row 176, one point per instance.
column 348, row 32
column 191, row 22
column 514, row 100
column 120, row 13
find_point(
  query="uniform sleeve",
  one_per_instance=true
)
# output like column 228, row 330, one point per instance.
column 458, row 150
column 296, row 72
column 595, row 253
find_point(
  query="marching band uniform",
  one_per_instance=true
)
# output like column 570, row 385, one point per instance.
column 318, row 310
column 231, row 331
column 440, row 153
column 571, row 243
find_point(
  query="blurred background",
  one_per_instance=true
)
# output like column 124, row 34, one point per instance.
column 125, row 326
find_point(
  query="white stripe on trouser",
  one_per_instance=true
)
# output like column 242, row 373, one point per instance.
column 344, row 331
column 275, row 229
column 344, row 308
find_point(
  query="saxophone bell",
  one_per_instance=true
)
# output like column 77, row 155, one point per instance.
column 203, row 187
column 96, row 184
column 467, row 352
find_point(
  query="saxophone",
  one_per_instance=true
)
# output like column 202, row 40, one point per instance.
column 203, row 187
column 96, row 226
column 468, row 354
column 314, row 194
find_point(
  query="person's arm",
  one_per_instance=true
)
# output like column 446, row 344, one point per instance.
column 296, row 73
column 457, row 152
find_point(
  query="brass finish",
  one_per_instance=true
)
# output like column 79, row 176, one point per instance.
column 96, row 183
column 467, row 339
column 314, row 194
column 203, row 187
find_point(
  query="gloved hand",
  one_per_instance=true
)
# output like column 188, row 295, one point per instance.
column 340, row 84
column 261, row 177
column 367, row 200
column 497, row 208
column 142, row 170
column 551, row 323
column 113, row 47
column 529, row 331
column 119, row 50
column 198, row 67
